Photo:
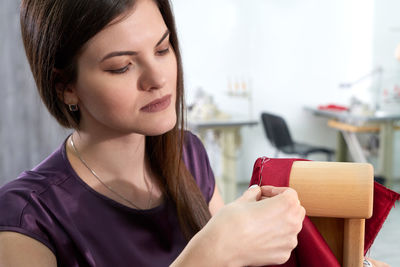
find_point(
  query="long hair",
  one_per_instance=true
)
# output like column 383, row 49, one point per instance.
column 54, row 33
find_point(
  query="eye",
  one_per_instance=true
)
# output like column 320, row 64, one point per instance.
column 163, row 51
column 120, row 71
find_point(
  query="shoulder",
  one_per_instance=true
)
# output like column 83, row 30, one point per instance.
column 23, row 202
column 16, row 195
column 193, row 150
column 35, row 182
column 197, row 162
column 192, row 146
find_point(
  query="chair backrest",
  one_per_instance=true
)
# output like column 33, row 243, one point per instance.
column 338, row 197
column 276, row 130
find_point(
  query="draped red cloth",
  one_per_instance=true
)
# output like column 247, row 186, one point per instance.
column 312, row 250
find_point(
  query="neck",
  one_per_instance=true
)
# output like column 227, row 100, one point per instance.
column 120, row 158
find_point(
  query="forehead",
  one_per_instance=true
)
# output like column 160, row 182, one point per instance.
column 140, row 25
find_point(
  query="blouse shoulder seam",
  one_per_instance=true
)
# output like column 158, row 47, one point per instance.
column 22, row 212
column 40, row 192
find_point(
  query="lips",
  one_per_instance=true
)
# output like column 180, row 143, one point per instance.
column 158, row 104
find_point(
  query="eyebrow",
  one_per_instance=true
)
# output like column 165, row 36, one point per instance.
column 131, row 53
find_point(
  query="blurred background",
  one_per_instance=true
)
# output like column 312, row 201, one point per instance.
column 290, row 55
column 241, row 58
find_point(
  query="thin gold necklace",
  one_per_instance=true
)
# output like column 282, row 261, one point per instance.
column 107, row 186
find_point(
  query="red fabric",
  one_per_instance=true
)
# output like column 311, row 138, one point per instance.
column 312, row 249
column 384, row 200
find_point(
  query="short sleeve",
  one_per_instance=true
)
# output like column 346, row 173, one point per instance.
column 18, row 213
column 197, row 162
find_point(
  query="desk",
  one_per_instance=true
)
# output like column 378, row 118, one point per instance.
column 229, row 132
column 349, row 124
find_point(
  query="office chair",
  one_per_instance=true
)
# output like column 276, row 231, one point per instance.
column 278, row 134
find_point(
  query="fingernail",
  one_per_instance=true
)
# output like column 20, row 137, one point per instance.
column 254, row 185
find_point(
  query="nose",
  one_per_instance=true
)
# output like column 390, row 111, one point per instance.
column 152, row 77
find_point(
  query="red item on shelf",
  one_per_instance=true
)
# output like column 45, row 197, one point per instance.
column 333, row 107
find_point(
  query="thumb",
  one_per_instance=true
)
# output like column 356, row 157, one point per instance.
column 253, row 193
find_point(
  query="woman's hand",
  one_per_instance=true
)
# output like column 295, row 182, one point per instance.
column 376, row 263
column 259, row 228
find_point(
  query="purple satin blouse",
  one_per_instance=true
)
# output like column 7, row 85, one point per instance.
column 53, row 205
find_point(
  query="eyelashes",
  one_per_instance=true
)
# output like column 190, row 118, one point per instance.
column 120, row 71
column 128, row 66
column 163, row 52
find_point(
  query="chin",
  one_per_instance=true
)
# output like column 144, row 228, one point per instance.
column 161, row 127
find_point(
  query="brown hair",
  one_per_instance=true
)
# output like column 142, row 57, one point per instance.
column 54, row 32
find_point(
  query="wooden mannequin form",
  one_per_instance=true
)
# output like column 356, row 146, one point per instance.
column 338, row 197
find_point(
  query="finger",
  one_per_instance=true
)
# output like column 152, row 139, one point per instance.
column 271, row 191
column 253, row 193
column 376, row 263
column 291, row 195
column 290, row 192
column 368, row 263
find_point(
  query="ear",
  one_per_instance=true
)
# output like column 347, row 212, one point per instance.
column 65, row 92
column 69, row 95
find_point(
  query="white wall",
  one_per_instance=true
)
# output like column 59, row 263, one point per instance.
column 294, row 53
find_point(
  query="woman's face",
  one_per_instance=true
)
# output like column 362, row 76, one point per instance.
column 127, row 76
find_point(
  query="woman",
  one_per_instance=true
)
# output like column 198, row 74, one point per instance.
column 128, row 187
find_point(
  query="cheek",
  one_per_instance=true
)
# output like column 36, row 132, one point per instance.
column 101, row 85
column 173, row 72
column 106, row 95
